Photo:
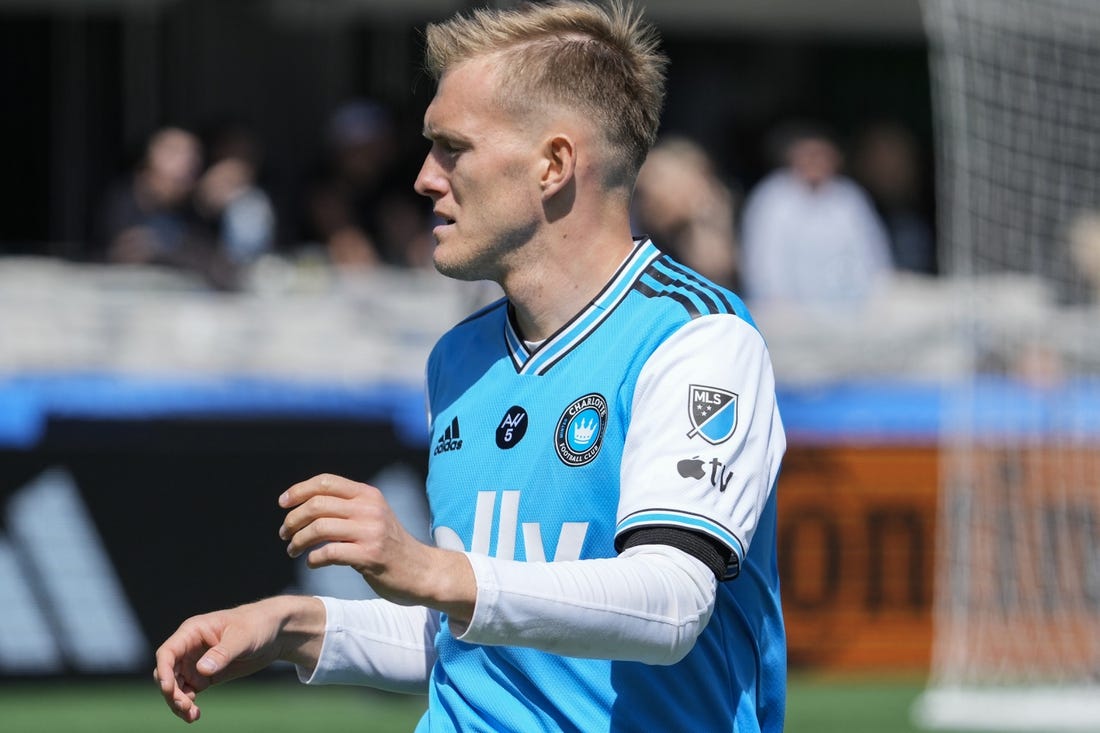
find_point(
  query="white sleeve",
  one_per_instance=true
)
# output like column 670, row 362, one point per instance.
column 705, row 441
column 375, row 643
column 649, row 605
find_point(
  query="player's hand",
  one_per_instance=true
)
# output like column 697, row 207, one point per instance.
column 224, row 645
column 337, row 521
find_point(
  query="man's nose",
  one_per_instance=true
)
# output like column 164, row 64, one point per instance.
column 430, row 181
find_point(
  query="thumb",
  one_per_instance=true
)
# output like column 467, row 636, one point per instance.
column 219, row 656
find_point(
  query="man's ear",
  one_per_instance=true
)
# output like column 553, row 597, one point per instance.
column 559, row 164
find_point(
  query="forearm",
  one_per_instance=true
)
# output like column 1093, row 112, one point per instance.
column 374, row 643
column 648, row 605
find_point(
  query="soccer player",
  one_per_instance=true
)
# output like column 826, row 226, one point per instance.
column 605, row 439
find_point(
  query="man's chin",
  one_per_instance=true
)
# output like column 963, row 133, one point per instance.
column 457, row 270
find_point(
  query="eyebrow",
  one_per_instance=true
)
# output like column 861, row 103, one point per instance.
column 436, row 134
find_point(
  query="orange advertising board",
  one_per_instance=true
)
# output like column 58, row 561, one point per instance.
column 855, row 543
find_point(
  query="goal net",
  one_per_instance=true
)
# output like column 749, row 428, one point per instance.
column 1016, row 89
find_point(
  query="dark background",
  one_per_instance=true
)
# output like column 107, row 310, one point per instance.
column 82, row 90
column 186, row 508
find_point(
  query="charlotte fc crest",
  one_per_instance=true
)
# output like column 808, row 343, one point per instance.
column 580, row 430
column 713, row 413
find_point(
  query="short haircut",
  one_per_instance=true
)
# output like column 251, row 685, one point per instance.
column 602, row 59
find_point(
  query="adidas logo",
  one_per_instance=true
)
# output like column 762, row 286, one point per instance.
column 450, row 440
column 64, row 603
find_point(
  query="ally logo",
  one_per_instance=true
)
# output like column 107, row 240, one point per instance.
column 508, row 531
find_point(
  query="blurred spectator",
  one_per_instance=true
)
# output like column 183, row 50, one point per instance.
column 810, row 236
column 150, row 217
column 229, row 198
column 687, row 210
column 886, row 162
column 361, row 208
column 1084, row 243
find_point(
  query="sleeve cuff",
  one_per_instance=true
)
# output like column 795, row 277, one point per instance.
column 488, row 592
column 333, row 619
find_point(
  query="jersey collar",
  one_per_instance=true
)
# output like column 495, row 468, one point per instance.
column 578, row 328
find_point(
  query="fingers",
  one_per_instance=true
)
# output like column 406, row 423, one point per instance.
column 325, row 483
column 188, row 660
column 311, row 511
column 318, row 532
column 336, row 553
column 325, row 497
column 177, row 693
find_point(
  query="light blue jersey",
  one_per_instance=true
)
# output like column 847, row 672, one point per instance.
column 652, row 408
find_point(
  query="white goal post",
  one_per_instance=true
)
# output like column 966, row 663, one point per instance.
column 1016, row 91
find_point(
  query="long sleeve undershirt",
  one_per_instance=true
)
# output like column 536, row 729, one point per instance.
column 649, row 604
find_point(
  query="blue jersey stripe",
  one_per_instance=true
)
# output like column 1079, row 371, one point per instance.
column 697, row 284
column 673, row 281
column 671, row 517
column 517, row 350
column 652, row 287
column 673, row 284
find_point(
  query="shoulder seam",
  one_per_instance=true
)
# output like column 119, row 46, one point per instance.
column 484, row 311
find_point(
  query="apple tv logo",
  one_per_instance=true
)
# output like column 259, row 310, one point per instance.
column 691, row 468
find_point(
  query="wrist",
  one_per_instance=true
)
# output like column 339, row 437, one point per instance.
column 301, row 628
column 453, row 586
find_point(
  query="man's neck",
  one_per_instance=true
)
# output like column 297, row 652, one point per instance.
column 560, row 279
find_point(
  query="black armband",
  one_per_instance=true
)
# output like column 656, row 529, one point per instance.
column 703, row 548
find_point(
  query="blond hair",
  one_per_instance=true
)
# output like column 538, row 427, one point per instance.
column 603, row 60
